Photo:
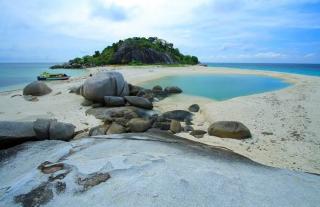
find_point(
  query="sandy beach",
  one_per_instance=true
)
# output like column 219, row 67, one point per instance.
column 284, row 123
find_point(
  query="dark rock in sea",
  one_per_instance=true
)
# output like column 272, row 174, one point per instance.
column 41, row 128
column 36, row 88
column 139, row 125
column 194, row 108
column 173, row 89
column 229, row 129
column 116, row 129
column 114, row 101
column 157, row 88
column 198, row 133
column 14, row 133
column 61, row 131
column 139, row 102
column 175, row 126
column 104, row 84
column 179, row 115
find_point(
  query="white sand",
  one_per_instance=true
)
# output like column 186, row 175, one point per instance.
column 291, row 114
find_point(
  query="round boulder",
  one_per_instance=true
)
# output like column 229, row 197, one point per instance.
column 194, row 108
column 173, row 89
column 116, row 129
column 36, row 88
column 139, row 102
column 104, row 84
column 61, row 131
column 175, row 126
column 139, row 125
column 229, row 129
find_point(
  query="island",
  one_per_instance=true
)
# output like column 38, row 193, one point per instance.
column 133, row 51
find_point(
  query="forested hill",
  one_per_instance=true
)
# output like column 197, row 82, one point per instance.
column 133, row 51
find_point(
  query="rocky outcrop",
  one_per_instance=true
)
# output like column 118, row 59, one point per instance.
column 36, row 88
column 229, row 129
column 104, row 84
column 139, row 102
column 14, row 133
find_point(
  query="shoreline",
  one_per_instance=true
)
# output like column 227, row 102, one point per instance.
column 290, row 113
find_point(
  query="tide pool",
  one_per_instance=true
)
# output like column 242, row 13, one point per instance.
column 16, row 75
column 220, row 87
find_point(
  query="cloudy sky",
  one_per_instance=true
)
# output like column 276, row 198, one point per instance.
column 213, row 30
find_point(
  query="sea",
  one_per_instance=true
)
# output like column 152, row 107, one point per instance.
column 16, row 75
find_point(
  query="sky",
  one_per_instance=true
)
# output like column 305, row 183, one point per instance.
column 276, row 31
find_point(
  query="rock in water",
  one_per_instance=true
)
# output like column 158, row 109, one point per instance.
column 104, row 84
column 194, row 108
column 114, row 101
column 139, row 125
column 229, row 129
column 13, row 133
column 157, row 88
column 175, row 126
column 173, row 89
column 139, row 102
column 61, row 131
column 179, row 115
column 36, row 88
column 116, row 129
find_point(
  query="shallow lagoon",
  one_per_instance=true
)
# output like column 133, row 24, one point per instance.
column 220, row 87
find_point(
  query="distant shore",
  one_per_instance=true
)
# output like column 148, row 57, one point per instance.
column 284, row 123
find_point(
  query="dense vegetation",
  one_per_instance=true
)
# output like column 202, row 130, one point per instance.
column 134, row 51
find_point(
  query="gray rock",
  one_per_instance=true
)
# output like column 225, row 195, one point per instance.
column 175, row 126
column 41, row 128
column 114, row 101
column 98, row 130
column 61, row 131
column 157, row 88
column 14, row 133
column 86, row 102
column 173, row 89
column 139, row 102
column 229, row 129
column 116, row 129
column 139, row 125
column 187, row 128
column 134, row 90
column 194, row 108
column 179, row 115
column 104, row 84
column 36, row 88
column 198, row 133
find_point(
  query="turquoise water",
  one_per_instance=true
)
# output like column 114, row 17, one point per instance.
column 220, row 87
column 16, row 75
column 304, row 69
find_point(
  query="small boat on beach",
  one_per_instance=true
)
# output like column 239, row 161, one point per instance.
column 49, row 76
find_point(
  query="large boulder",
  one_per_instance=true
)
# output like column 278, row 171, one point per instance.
column 173, row 89
column 179, row 115
column 229, row 129
column 139, row 102
column 36, row 88
column 61, row 131
column 13, row 133
column 114, row 101
column 104, row 84
column 139, row 125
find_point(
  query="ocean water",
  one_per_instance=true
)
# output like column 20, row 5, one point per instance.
column 304, row 69
column 220, row 87
column 16, row 75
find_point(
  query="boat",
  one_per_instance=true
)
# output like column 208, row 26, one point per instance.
column 49, row 76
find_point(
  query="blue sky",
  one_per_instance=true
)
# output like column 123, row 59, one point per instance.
column 213, row 30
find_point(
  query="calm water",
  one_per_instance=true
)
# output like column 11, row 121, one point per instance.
column 16, row 75
column 220, row 87
column 304, row 69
